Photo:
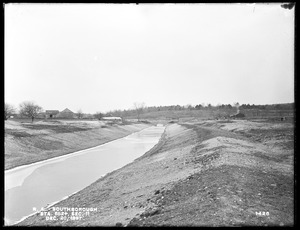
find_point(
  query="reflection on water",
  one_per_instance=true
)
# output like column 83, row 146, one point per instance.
column 32, row 187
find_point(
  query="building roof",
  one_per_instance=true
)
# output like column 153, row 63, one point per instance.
column 66, row 111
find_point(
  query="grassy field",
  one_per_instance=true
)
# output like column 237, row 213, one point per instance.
column 27, row 142
column 204, row 173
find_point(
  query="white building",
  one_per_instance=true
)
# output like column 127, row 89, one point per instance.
column 112, row 118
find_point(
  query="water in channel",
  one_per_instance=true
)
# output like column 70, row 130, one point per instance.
column 30, row 188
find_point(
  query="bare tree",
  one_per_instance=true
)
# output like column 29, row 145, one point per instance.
column 139, row 107
column 79, row 114
column 30, row 109
column 98, row 115
column 8, row 110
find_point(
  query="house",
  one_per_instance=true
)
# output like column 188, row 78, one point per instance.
column 51, row 113
column 66, row 113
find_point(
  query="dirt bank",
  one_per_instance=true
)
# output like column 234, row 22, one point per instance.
column 205, row 174
column 27, row 143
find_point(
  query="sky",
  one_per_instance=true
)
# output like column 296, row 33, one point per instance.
column 102, row 57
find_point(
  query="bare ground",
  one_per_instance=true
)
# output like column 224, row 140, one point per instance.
column 207, row 174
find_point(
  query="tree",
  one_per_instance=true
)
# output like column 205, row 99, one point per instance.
column 98, row 115
column 198, row 106
column 139, row 107
column 30, row 109
column 79, row 114
column 190, row 107
column 8, row 110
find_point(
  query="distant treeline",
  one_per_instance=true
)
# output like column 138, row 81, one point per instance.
column 31, row 110
column 228, row 107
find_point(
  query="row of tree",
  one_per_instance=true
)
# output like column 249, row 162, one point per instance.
column 32, row 110
column 27, row 109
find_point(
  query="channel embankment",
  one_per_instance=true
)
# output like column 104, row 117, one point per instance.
column 27, row 143
column 213, row 173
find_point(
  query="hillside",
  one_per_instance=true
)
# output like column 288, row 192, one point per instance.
column 251, row 112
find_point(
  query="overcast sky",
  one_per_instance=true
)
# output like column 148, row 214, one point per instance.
column 101, row 57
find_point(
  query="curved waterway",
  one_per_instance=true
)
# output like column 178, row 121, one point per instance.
column 31, row 187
